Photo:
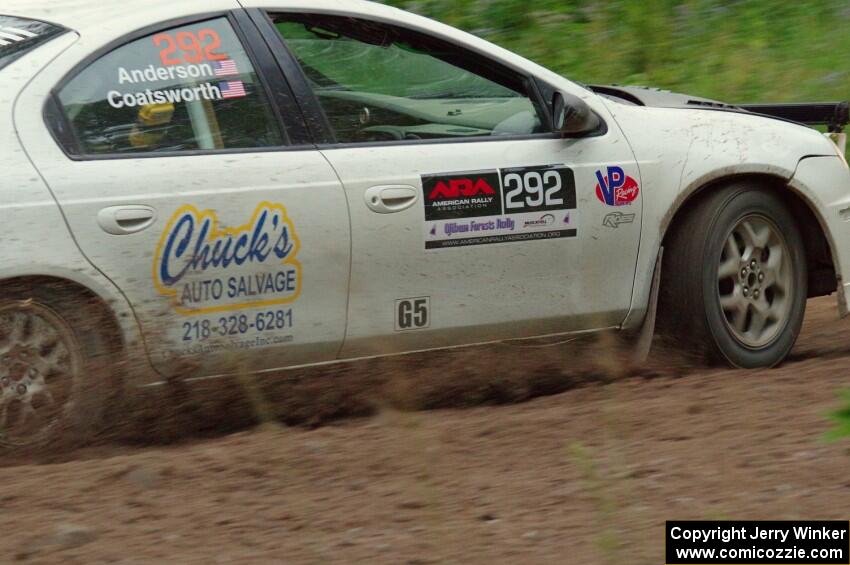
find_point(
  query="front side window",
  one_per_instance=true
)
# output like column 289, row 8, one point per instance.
column 377, row 83
column 191, row 88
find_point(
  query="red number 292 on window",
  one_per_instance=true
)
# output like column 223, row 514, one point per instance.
column 211, row 47
column 195, row 48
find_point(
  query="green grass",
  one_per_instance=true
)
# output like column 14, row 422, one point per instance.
column 730, row 50
column 842, row 420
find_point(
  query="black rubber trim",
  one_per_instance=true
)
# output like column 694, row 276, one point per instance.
column 59, row 126
column 282, row 96
column 442, row 140
column 311, row 109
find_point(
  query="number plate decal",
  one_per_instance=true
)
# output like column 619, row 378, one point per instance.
column 499, row 206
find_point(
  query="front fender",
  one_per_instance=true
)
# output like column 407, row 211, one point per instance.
column 681, row 152
column 824, row 183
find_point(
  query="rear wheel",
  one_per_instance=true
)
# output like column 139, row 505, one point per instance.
column 734, row 278
column 52, row 364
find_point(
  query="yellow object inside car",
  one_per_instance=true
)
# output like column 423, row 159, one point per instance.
column 151, row 115
column 156, row 114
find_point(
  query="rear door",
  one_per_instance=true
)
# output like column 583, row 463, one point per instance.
column 187, row 178
column 471, row 220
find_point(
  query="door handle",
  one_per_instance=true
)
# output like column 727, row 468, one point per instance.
column 391, row 198
column 123, row 220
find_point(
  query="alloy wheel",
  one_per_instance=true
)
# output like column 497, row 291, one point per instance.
column 755, row 281
column 40, row 363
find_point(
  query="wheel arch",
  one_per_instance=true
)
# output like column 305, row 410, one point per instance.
column 99, row 305
column 820, row 250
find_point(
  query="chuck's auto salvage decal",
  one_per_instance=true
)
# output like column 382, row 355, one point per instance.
column 235, row 286
column 206, row 268
column 499, row 206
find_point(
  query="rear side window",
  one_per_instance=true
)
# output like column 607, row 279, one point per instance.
column 19, row 35
column 190, row 88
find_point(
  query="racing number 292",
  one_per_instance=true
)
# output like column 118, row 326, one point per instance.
column 533, row 189
column 195, row 47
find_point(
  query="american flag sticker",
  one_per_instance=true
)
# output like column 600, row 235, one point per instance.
column 232, row 89
column 225, row 68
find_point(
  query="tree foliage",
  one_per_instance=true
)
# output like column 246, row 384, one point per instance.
column 731, row 50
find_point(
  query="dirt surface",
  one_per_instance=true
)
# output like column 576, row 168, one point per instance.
column 588, row 475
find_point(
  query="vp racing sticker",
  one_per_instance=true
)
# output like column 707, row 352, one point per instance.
column 499, row 206
column 615, row 188
column 204, row 267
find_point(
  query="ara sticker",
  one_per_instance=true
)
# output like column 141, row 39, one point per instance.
column 499, row 206
column 204, row 268
column 463, row 195
column 615, row 188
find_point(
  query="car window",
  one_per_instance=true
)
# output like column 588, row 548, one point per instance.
column 377, row 82
column 190, row 88
column 20, row 35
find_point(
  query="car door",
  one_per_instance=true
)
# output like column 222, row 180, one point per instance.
column 185, row 176
column 471, row 220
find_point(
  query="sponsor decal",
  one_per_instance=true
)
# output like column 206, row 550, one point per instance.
column 499, row 206
column 616, row 219
column 544, row 220
column 615, row 188
column 462, row 195
column 228, row 332
column 203, row 267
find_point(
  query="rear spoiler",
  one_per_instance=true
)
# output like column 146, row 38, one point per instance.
column 834, row 115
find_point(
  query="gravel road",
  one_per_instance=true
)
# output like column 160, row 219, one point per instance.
column 588, row 475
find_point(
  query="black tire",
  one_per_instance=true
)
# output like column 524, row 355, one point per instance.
column 54, row 357
column 745, row 320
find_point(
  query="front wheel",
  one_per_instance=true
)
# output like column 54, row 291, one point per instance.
column 734, row 279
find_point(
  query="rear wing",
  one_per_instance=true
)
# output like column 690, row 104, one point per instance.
column 834, row 115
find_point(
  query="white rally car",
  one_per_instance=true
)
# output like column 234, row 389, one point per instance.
column 200, row 187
